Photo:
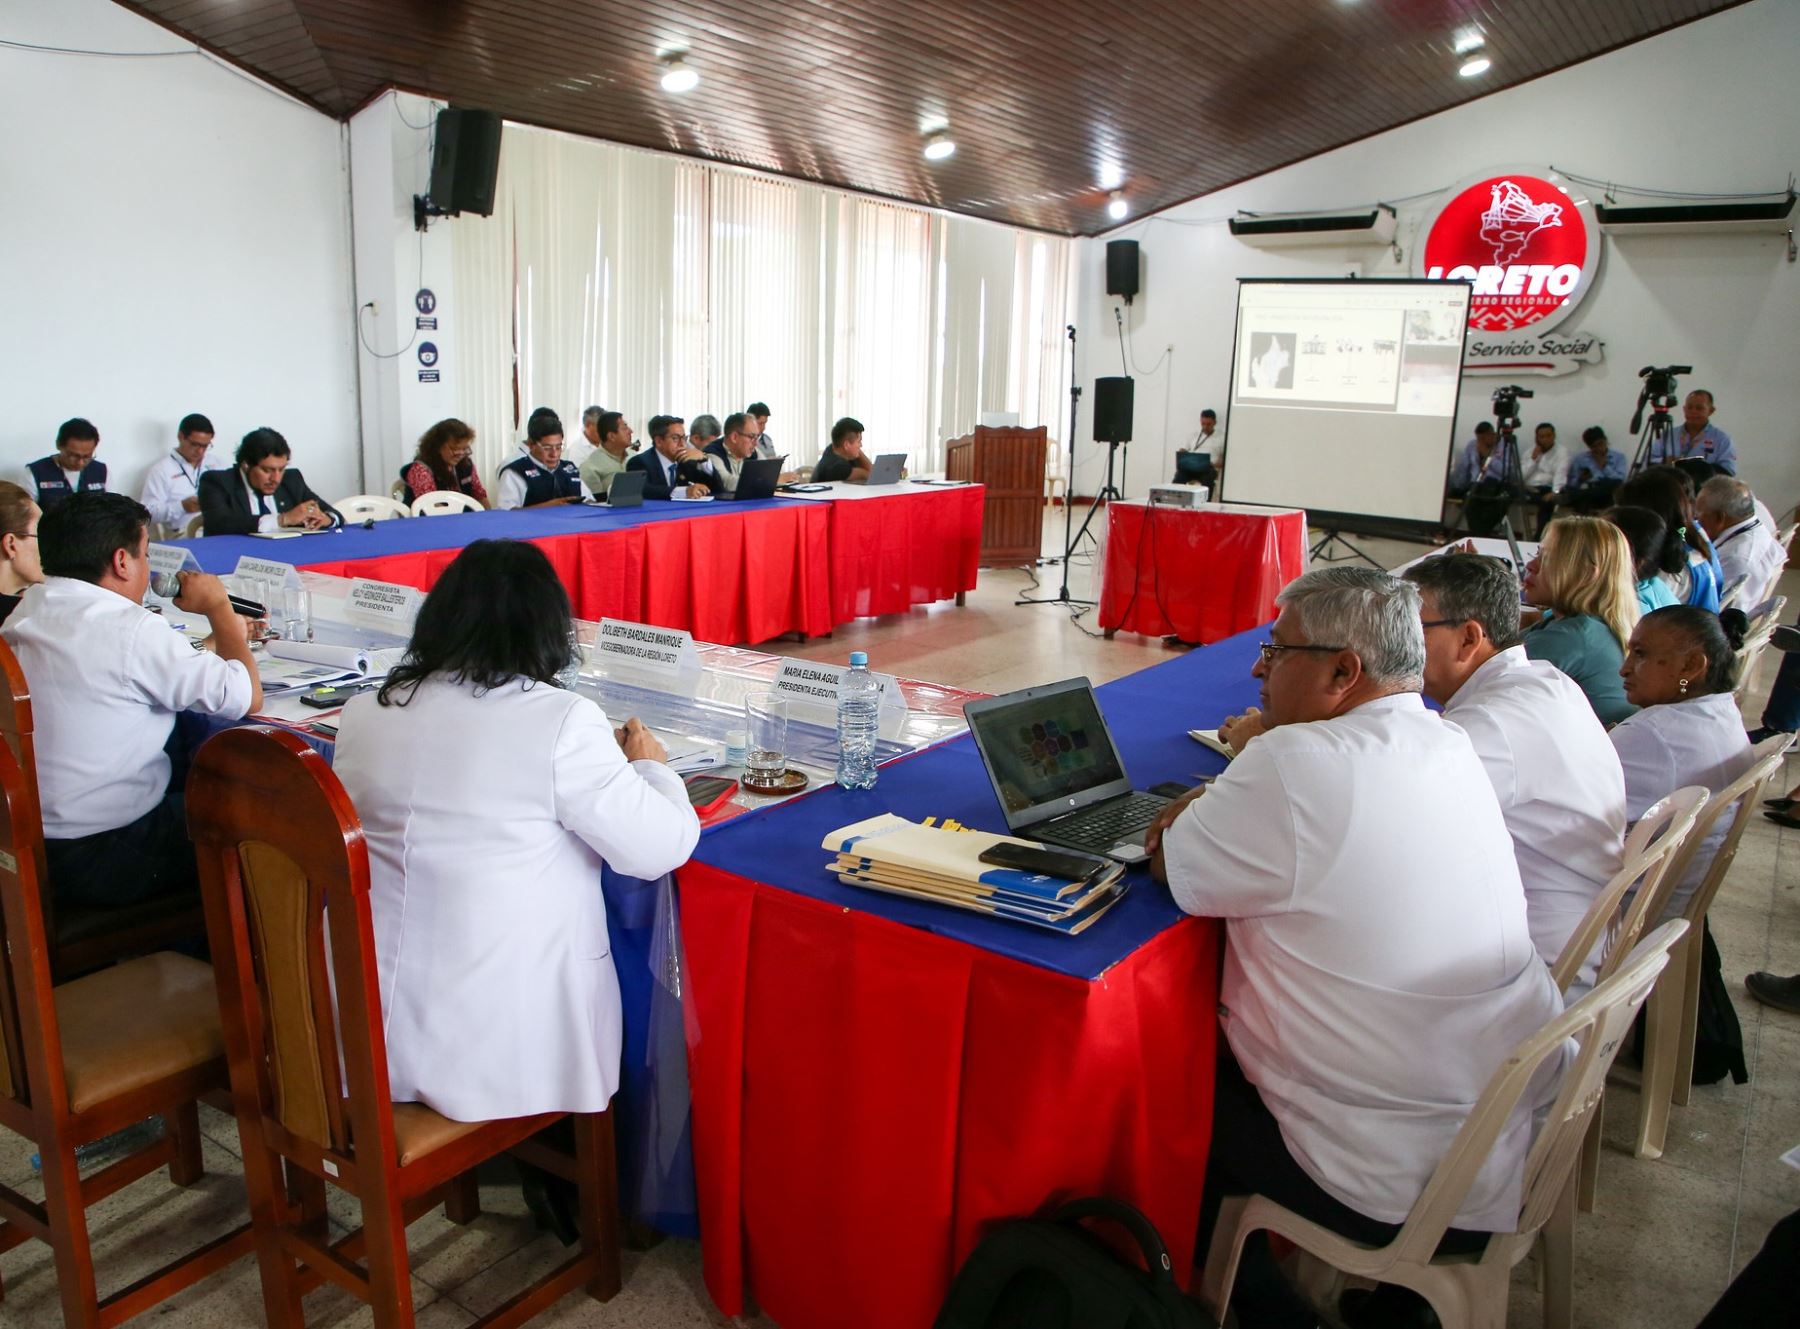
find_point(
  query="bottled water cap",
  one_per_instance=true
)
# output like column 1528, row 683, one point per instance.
column 859, row 658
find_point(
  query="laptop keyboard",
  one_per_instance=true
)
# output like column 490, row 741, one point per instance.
column 1104, row 826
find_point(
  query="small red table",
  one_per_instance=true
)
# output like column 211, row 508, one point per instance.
column 1202, row 573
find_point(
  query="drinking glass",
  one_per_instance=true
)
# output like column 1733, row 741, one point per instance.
column 766, row 719
column 296, row 613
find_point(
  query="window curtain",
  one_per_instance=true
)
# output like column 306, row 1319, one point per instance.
column 881, row 354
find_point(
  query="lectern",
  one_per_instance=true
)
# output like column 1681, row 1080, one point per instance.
column 1010, row 462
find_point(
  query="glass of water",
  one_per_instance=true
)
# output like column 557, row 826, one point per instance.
column 766, row 719
column 296, row 613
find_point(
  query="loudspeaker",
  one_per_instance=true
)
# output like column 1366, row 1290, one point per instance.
column 1122, row 268
column 465, row 161
column 1112, row 410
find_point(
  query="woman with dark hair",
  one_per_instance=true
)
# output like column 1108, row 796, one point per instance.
column 1681, row 671
column 1645, row 533
column 1687, row 559
column 489, row 798
column 444, row 461
column 19, row 566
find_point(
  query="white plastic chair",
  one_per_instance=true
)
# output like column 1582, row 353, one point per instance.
column 361, row 507
column 196, row 526
column 1670, row 1023
column 442, row 501
column 1470, row 1291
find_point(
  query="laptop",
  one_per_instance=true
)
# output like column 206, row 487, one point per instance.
column 1057, row 773
column 625, row 491
column 758, row 478
column 887, row 468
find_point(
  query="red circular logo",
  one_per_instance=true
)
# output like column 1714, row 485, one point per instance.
column 1522, row 240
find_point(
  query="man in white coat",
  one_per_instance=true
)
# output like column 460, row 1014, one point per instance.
column 1378, row 963
column 1554, row 770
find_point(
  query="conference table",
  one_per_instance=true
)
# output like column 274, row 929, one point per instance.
column 728, row 572
column 877, row 1080
column 1200, row 573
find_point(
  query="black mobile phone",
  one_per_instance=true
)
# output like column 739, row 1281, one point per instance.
column 321, row 727
column 1065, row 863
column 1170, row 789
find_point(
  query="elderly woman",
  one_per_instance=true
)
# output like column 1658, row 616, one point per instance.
column 19, row 566
column 1581, row 578
column 444, row 461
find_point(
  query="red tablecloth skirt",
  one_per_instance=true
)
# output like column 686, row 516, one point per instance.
column 868, row 1097
column 1196, row 573
column 726, row 578
column 912, row 547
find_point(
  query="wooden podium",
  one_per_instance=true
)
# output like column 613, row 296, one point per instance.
column 1010, row 462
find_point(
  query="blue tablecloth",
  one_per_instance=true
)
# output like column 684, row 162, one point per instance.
column 219, row 554
column 1149, row 713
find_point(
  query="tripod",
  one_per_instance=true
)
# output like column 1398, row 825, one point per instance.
column 1654, row 437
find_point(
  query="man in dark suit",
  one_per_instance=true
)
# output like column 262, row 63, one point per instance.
column 262, row 492
column 672, row 465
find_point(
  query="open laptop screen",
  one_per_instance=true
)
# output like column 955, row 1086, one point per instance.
column 1045, row 747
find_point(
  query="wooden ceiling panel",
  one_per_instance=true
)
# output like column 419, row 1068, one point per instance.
column 1182, row 96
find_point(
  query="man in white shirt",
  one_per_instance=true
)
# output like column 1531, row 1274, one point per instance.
column 1378, row 962
column 1558, row 779
column 107, row 679
column 1746, row 548
column 172, row 484
column 1202, row 460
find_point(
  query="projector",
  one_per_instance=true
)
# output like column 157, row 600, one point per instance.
column 1178, row 496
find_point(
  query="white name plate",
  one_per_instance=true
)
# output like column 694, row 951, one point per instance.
column 382, row 604
column 660, row 650
column 168, row 558
column 811, row 681
column 267, row 569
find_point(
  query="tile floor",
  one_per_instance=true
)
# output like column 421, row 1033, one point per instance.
column 1665, row 1239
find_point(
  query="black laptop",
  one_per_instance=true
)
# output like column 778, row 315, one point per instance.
column 1057, row 773
column 625, row 491
column 758, row 478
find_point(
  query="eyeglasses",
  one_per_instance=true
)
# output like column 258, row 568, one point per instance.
column 1270, row 649
column 676, row 438
column 1442, row 622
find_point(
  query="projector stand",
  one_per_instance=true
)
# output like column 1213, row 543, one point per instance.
column 1333, row 539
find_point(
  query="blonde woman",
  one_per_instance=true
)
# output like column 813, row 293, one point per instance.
column 1582, row 579
column 19, row 566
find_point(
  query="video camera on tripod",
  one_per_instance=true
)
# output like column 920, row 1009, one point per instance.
column 1658, row 392
column 1506, row 407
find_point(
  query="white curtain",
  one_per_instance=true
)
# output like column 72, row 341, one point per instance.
column 648, row 283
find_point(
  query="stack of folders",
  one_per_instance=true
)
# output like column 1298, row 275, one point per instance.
column 900, row 857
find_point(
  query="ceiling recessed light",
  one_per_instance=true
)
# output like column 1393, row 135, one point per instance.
column 1479, row 65
column 939, row 146
column 679, row 76
column 1116, row 206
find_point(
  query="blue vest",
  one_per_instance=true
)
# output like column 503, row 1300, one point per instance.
column 53, row 485
column 542, row 485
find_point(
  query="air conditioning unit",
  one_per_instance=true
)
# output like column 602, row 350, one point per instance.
column 1374, row 226
column 1772, row 214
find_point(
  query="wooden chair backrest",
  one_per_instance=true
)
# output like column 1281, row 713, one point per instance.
column 284, row 874
column 30, row 1041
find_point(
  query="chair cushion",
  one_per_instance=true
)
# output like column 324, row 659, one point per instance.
column 127, row 1027
column 419, row 1131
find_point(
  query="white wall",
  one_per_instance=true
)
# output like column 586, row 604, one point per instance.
column 175, row 237
column 1707, row 107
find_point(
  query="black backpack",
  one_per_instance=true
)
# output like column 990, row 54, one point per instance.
column 1051, row 1273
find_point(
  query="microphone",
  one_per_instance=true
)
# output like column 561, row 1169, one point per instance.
column 168, row 585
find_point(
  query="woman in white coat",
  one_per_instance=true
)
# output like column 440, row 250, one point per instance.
column 489, row 797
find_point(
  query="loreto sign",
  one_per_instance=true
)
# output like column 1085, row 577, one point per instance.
column 1528, row 244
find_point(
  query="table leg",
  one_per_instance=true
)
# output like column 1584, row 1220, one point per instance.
column 1109, row 633
column 962, row 598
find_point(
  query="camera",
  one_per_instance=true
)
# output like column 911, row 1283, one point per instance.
column 1658, row 393
column 1506, row 405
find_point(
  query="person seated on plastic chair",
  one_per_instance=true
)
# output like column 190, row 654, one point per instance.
column 1379, row 964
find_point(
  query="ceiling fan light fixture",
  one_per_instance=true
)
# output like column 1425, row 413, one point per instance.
column 1116, row 206
column 679, row 76
column 939, row 146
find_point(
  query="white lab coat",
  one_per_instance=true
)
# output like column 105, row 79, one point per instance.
column 1750, row 550
column 487, row 817
column 1560, row 787
column 1379, row 967
column 1665, row 748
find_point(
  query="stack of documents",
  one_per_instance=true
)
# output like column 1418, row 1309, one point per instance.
column 289, row 666
column 900, row 857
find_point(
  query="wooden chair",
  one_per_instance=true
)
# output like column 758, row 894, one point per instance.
column 362, row 507
column 81, row 1061
column 287, row 908
column 1470, row 1292
column 441, row 501
column 82, row 937
column 1672, row 1018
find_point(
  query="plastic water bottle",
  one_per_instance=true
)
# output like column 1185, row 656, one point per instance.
column 858, row 724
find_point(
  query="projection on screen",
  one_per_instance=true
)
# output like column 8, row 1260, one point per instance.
column 1343, row 395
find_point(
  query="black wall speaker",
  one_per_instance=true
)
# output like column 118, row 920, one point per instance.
column 465, row 161
column 1112, row 409
column 1122, row 269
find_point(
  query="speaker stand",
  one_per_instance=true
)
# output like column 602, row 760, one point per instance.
column 1326, row 550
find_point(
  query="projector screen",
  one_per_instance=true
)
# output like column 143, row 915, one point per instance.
column 1343, row 395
